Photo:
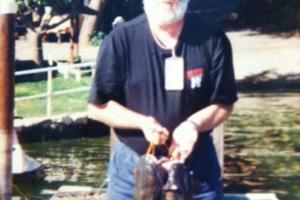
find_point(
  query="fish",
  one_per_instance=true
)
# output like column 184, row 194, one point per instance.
column 163, row 179
column 183, row 180
column 150, row 178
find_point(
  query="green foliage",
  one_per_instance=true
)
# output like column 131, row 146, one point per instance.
column 274, row 15
column 35, row 3
column 97, row 39
column 26, row 7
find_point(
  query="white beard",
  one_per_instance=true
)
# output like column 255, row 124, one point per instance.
column 158, row 16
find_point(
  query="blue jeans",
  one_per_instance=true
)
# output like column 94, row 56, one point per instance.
column 121, row 178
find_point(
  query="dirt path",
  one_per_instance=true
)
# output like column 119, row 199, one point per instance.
column 254, row 53
column 54, row 51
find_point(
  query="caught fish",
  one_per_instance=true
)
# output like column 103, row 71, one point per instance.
column 180, row 182
column 150, row 179
column 163, row 179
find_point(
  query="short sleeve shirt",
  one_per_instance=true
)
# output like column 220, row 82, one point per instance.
column 130, row 70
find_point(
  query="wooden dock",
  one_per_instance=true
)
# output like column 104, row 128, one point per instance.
column 251, row 196
column 89, row 193
column 79, row 193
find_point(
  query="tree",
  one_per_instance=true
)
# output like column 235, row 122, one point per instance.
column 75, row 10
column 90, row 21
column 271, row 15
column 36, row 15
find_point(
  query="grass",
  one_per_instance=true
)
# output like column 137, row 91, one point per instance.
column 67, row 103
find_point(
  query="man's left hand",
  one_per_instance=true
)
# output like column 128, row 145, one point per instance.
column 184, row 139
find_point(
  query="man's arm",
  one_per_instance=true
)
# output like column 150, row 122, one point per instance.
column 187, row 133
column 117, row 116
column 211, row 116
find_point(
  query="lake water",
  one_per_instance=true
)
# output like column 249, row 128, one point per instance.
column 68, row 162
column 262, row 152
column 262, row 145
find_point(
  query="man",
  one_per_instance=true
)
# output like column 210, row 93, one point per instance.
column 164, row 78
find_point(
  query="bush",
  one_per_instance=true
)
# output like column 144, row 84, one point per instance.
column 97, row 39
column 273, row 15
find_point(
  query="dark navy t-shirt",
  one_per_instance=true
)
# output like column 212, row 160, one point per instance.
column 130, row 70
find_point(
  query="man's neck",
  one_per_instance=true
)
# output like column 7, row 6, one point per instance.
column 167, row 35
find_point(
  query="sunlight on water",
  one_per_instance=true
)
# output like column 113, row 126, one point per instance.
column 262, row 145
column 68, row 162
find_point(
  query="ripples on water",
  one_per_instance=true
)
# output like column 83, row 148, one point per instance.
column 67, row 162
column 262, row 145
column 262, row 152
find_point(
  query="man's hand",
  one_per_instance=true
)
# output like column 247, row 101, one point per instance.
column 154, row 132
column 184, row 139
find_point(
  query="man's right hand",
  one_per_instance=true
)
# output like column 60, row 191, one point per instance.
column 153, row 131
column 184, row 138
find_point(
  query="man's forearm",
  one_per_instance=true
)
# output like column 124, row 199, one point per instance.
column 210, row 117
column 115, row 115
column 186, row 134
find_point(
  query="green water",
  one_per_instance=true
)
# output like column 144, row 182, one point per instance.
column 262, row 145
column 68, row 162
column 262, row 152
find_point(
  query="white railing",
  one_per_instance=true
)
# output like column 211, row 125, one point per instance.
column 77, row 69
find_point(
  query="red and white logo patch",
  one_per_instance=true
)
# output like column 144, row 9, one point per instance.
column 195, row 77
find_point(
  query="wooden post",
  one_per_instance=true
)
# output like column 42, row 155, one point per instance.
column 74, row 39
column 49, row 93
column 112, row 140
column 218, row 138
column 7, row 47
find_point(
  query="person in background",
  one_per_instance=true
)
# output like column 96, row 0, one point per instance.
column 164, row 78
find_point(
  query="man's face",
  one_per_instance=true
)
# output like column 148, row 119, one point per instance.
column 164, row 12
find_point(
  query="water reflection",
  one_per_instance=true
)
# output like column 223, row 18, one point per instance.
column 262, row 145
column 67, row 162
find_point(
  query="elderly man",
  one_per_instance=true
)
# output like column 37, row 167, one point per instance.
column 164, row 78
